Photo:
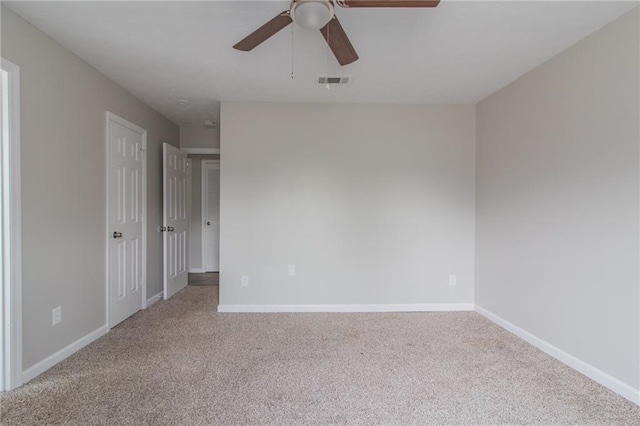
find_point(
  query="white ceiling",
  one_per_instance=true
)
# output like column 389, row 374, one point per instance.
column 459, row 52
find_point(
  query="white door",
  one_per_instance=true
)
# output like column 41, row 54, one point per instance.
column 175, row 219
column 127, row 230
column 211, row 215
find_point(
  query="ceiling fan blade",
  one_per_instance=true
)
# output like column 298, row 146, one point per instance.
column 264, row 32
column 339, row 42
column 388, row 3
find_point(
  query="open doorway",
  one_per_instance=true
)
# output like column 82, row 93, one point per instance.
column 211, row 215
column 204, row 226
column 10, row 230
column 205, row 190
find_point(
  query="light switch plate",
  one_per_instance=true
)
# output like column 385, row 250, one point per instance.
column 56, row 315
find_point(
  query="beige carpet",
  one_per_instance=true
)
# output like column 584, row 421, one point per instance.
column 181, row 363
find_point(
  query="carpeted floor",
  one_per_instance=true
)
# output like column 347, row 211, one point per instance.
column 181, row 363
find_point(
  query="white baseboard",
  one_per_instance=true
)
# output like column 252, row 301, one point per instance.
column 154, row 299
column 588, row 370
column 415, row 307
column 196, row 271
column 63, row 353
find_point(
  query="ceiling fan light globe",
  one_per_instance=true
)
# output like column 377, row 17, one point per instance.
column 311, row 15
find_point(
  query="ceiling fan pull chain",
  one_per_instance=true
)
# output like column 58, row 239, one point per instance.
column 327, row 55
column 292, row 50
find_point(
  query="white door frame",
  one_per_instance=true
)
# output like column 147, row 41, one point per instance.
column 203, row 206
column 112, row 118
column 189, row 200
column 11, row 280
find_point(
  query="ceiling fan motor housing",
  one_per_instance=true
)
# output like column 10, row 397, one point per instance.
column 312, row 14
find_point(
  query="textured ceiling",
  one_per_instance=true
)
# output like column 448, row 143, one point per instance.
column 459, row 52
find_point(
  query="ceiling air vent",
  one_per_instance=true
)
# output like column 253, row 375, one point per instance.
column 333, row 80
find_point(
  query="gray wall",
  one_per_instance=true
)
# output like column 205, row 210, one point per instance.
column 373, row 204
column 199, row 137
column 557, row 201
column 63, row 102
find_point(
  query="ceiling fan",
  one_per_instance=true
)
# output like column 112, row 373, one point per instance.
column 320, row 15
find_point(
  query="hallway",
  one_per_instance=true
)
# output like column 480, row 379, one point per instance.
column 206, row 279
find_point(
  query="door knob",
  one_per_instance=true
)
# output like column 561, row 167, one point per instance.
column 117, row 235
column 170, row 228
column 208, row 223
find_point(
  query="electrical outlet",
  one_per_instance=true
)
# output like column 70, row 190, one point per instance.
column 57, row 315
column 452, row 280
column 292, row 270
column 244, row 281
